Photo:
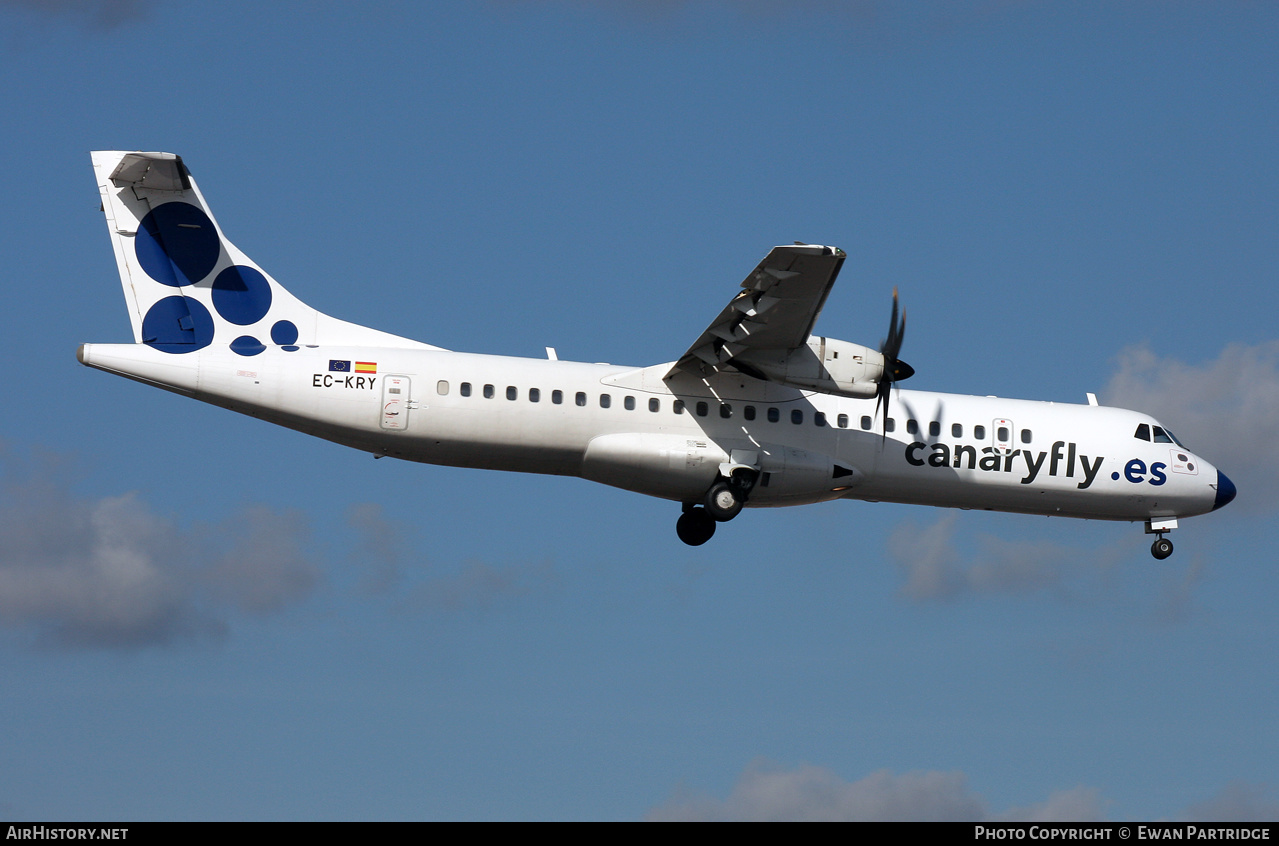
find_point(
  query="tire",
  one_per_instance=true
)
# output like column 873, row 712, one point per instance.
column 695, row 527
column 722, row 503
column 1161, row 548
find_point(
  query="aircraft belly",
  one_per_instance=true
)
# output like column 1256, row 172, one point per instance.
column 493, row 439
column 670, row 466
column 1101, row 499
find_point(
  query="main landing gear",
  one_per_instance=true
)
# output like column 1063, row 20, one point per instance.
column 695, row 526
column 721, row 503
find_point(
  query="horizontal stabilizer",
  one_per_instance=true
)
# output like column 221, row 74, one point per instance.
column 156, row 171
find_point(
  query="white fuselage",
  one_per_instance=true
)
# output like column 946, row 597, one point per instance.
column 634, row 429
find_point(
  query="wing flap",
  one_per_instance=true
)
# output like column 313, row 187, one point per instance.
column 776, row 310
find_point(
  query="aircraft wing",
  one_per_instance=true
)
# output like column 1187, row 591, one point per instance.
column 776, row 309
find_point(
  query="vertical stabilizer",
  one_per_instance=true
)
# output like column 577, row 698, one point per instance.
column 185, row 284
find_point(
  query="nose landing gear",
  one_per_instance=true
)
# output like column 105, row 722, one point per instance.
column 1162, row 547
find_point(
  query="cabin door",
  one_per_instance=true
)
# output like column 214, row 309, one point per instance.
column 395, row 402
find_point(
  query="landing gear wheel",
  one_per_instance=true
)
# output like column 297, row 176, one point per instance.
column 722, row 502
column 1161, row 548
column 695, row 527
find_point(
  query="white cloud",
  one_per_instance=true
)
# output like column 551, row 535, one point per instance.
column 112, row 572
column 477, row 585
column 266, row 566
column 1226, row 410
column 380, row 548
column 1237, row 802
column 1080, row 804
column 94, row 14
column 383, row 555
column 935, row 569
column 811, row 793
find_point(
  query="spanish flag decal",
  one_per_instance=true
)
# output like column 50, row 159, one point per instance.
column 366, row 367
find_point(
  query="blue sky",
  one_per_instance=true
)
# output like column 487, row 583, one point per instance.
column 202, row 616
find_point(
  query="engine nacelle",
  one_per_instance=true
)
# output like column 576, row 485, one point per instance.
column 823, row 364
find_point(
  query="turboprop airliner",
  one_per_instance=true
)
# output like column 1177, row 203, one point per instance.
column 758, row 412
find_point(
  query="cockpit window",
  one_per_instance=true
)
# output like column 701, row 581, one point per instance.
column 1163, row 436
column 1143, row 432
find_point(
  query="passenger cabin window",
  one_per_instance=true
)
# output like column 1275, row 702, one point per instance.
column 890, row 425
column 774, row 415
column 843, row 421
column 1025, row 436
column 934, row 429
column 605, row 400
column 512, row 393
column 956, row 430
column 912, row 427
column 979, row 432
column 442, row 388
column 749, row 412
column 466, row 389
column 1002, row 433
column 678, row 406
column 629, row 402
column 702, row 409
column 1143, row 432
column 488, row 392
column 534, row 395
column 867, row 422
column 654, row 404
column 796, row 416
column 557, row 397
column 580, row 399
column 725, row 410
column 819, row 419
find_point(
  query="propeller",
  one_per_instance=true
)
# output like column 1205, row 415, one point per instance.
column 895, row 370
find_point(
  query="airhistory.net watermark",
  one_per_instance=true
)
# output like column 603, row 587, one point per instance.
column 42, row 832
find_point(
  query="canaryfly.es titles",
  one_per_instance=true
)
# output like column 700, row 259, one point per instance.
column 1063, row 459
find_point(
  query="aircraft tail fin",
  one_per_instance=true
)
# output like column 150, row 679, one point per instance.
column 185, row 284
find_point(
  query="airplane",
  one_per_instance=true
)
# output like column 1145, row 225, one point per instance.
column 758, row 412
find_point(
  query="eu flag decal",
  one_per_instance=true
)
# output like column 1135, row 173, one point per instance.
column 336, row 366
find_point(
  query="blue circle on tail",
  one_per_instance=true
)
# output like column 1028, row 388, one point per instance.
column 284, row 333
column 177, row 325
column 177, row 244
column 241, row 295
column 247, row 345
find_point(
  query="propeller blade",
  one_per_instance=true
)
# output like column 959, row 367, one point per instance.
column 894, row 368
column 881, row 395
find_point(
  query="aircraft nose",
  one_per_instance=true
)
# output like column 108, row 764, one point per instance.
column 1225, row 491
